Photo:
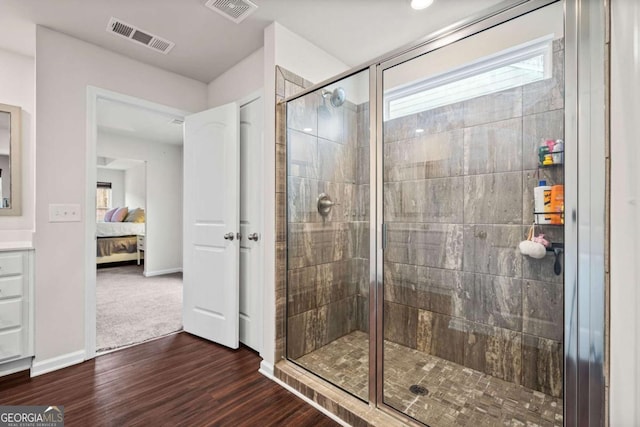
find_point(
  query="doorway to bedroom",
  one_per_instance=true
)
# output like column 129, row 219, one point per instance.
column 138, row 224
column 108, row 119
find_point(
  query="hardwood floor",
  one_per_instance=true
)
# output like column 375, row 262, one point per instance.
column 179, row 380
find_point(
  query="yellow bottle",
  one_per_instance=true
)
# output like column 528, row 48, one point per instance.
column 557, row 204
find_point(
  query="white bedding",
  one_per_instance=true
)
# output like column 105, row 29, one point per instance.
column 114, row 229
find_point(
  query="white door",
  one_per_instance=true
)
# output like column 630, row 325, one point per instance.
column 211, row 224
column 251, row 137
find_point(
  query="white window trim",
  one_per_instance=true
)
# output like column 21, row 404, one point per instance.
column 533, row 48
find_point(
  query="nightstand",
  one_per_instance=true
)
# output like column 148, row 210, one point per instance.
column 140, row 246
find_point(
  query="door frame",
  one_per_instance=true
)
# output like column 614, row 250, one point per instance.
column 260, row 249
column 93, row 95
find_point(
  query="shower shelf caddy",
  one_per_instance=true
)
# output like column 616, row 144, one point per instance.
column 535, row 213
column 555, row 248
column 549, row 213
column 542, row 166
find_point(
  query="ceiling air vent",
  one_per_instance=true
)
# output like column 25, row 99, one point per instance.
column 235, row 10
column 131, row 32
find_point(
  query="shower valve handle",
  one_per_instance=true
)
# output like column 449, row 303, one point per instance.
column 325, row 204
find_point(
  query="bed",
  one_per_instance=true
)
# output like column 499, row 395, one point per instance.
column 117, row 241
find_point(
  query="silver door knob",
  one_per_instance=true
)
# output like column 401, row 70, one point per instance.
column 229, row 236
column 253, row 236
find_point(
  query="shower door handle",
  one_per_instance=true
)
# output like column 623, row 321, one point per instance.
column 384, row 236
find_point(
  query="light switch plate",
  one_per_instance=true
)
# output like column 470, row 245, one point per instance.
column 64, row 213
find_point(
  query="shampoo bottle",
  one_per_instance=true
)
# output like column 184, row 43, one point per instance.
column 542, row 202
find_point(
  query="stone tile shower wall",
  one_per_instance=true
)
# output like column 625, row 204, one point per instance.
column 458, row 199
column 287, row 84
column 327, row 265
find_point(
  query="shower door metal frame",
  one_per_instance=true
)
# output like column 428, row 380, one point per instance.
column 585, row 231
column 585, row 204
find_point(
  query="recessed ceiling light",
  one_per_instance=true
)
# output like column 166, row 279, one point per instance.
column 419, row 130
column 307, row 129
column 421, row 4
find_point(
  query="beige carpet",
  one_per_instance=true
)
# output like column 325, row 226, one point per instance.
column 132, row 308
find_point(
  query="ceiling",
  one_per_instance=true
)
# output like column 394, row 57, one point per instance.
column 118, row 164
column 118, row 118
column 207, row 44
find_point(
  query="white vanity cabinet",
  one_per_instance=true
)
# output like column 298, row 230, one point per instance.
column 16, row 310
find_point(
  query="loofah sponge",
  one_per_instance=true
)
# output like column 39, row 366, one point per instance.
column 534, row 246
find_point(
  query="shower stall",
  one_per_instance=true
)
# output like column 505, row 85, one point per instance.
column 410, row 185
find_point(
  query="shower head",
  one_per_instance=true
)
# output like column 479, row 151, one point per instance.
column 336, row 97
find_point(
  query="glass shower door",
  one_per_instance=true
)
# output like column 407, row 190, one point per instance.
column 473, row 327
column 328, row 233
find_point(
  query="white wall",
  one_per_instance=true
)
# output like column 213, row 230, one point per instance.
column 163, row 195
column 116, row 178
column 624, row 407
column 17, row 87
column 543, row 22
column 241, row 80
column 135, row 184
column 284, row 48
column 304, row 58
column 65, row 67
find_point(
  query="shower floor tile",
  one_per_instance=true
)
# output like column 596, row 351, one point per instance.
column 457, row 396
column 344, row 362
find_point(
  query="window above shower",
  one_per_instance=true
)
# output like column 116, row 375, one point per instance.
column 526, row 63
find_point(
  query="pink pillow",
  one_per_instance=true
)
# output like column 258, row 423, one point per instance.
column 120, row 214
column 109, row 214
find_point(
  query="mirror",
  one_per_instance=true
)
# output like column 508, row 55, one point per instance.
column 10, row 140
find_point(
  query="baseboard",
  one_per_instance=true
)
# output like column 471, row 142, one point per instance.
column 8, row 368
column 266, row 369
column 334, row 417
column 55, row 363
column 161, row 272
